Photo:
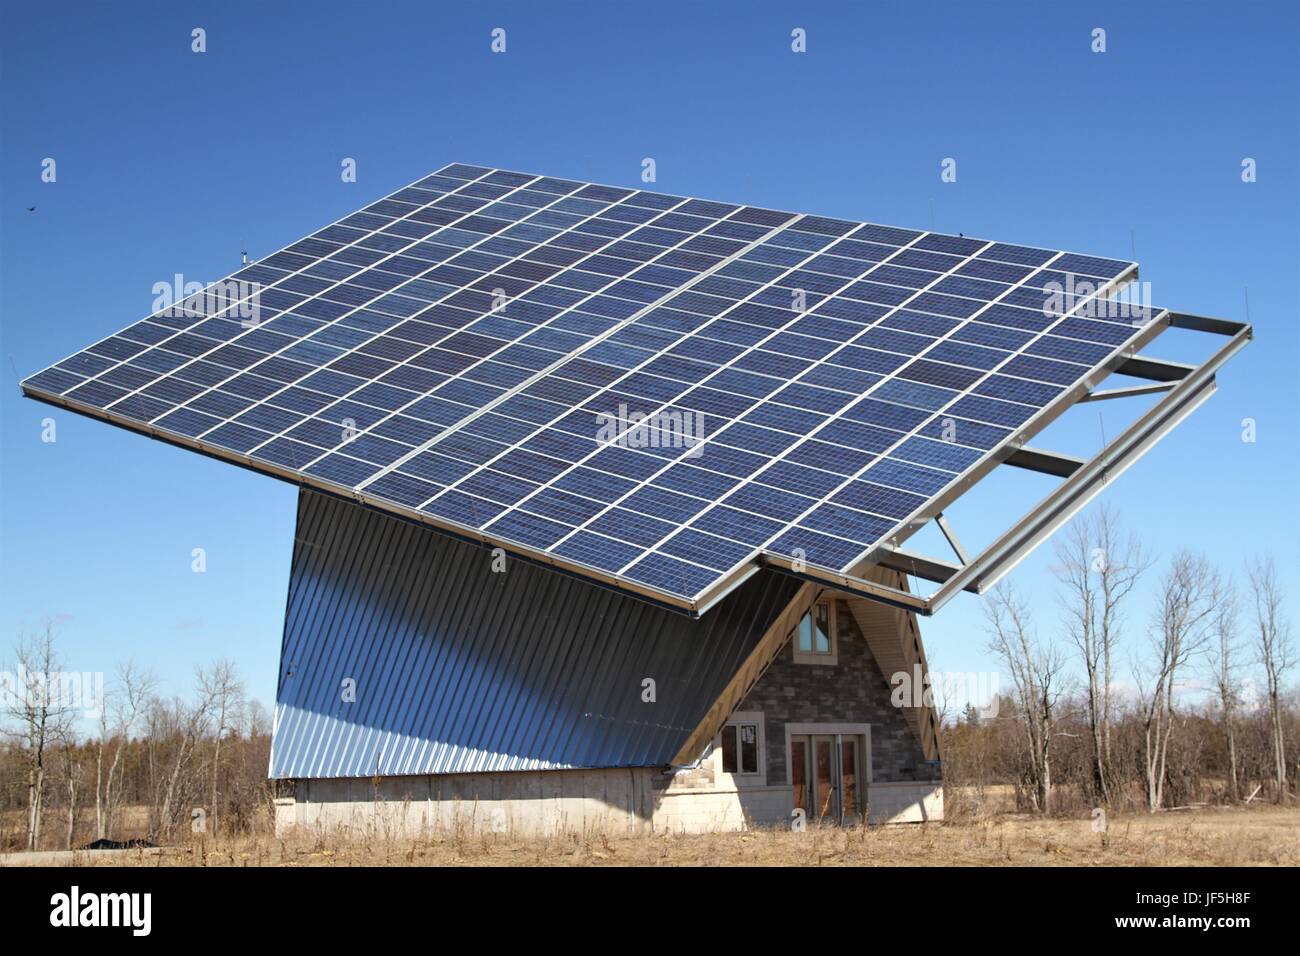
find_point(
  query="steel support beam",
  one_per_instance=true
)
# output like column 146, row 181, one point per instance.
column 919, row 565
column 1046, row 462
column 1157, row 370
column 1128, row 391
column 951, row 535
column 1203, row 323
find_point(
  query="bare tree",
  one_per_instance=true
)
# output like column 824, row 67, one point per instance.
column 221, row 685
column 1276, row 654
column 38, row 717
column 1190, row 594
column 1099, row 571
column 1224, row 651
column 1036, row 671
column 70, row 765
column 182, row 727
column 118, row 717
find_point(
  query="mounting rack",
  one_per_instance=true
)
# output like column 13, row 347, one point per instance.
column 1186, row 387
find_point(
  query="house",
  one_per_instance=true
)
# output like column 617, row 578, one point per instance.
column 427, row 683
column 604, row 494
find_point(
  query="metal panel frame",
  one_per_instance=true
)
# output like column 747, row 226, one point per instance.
column 995, row 561
column 1122, row 452
column 1124, row 360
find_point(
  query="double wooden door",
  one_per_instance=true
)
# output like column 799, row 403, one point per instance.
column 825, row 773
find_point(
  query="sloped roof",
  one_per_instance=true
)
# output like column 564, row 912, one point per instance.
column 458, row 669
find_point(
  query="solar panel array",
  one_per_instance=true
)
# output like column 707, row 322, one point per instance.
column 459, row 350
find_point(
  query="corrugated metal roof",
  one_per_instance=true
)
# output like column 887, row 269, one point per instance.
column 458, row 669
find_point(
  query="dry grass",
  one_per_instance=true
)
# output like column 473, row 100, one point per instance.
column 1263, row 836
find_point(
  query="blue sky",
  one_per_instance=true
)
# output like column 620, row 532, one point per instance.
column 171, row 162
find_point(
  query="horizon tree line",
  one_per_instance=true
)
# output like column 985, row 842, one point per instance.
column 1058, row 734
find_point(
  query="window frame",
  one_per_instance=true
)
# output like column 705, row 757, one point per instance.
column 824, row 658
column 757, row 777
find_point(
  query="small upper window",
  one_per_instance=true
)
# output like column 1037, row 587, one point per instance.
column 740, row 748
column 815, row 635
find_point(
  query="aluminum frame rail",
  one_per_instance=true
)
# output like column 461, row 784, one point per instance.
column 1186, row 387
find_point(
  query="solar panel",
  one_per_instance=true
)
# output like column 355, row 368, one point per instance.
column 650, row 390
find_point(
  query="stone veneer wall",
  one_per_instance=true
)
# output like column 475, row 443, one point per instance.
column 852, row 691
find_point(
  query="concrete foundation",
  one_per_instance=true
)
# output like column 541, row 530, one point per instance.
column 543, row 803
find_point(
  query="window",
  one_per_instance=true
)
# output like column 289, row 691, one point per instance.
column 740, row 751
column 740, row 748
column 814, row 637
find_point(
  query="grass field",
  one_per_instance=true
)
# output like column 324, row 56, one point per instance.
column 1259, row 836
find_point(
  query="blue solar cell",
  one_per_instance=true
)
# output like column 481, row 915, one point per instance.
column 287, row 452
column 729, row 461
column 343, row 470
column 847, row 523
column 762, row 441
column 963, row 431
column 830, row 457
column 936, row 454
column 598, row 485
column 499, row 428
column 1108, row 333
column 597, row 551
column 662, row 503
column 1044, row 370
column 815, row 548
column 897, row 474
column 224, row 405
column 991, row 410
column 793, row 420
column 690, row 480
column 671, row 575
column 1015, row 390
column 737, row 525
column 632, row 527
column 801, row 479
column 992, row 336
column 971, row 356
column 707, row 550
column 236, row 437
column 470, row 448
column 495, row 486
column 462, row 509
column 526, row 464
column 1090, row 265
column 812, row 398
column 562, row 506
column 395, row 486
column 1069, row 350
column 625, row 463
column 141, row 408
column 570, row 439
column 769, row 502
column 878, row 499
column 436, row 468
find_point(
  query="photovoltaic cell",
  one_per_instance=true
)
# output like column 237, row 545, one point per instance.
column 649, row 389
